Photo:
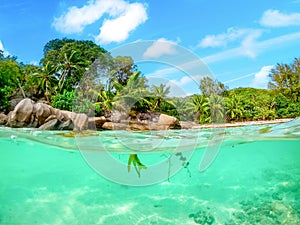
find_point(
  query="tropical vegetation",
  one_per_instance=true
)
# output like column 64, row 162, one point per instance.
column 58, row 80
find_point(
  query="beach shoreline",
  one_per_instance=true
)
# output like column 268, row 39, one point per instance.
column 241, row 124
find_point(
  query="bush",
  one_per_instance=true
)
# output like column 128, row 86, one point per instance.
column 64, row 101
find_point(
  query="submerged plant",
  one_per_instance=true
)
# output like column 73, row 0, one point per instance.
column 72, row 134
column 138, row 166
column 265, row 130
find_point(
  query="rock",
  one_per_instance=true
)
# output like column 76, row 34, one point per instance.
column 66, row 125
column 135, row 125
column 3, row 119
column 80, row 121
column 56, row 124
column 21, row 116
column 166, row 122
column 30, row 114
column 62, row 115
column 51, row 117
column 115, row 126
column 50, row 125
column 96, row 122
column 187, row 125
column 117, row 116
column 149, row 116
column 202, row 217
column 14, row 102
column 42, row 112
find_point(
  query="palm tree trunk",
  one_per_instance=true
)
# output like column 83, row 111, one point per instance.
column 22, row 90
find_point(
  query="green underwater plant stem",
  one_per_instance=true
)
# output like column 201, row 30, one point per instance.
column 138, row 166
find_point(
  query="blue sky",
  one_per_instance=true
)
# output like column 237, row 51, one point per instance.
column 239, row 41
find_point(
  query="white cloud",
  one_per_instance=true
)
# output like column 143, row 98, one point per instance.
column 124, row 17
column 249, row 42
column 261, row 78
column 232, row 34
column 251, row 48
column 160, row 47
column 35, row 63
column 5, row 53
column 1, row 46
column 117, row 30
column 186, row 80
column 185, row 86
column 274, row 18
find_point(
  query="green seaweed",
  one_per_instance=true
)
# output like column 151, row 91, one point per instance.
column 264, row 130
column 72, row 134
column 138, row 166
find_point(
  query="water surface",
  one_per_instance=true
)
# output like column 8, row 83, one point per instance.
column 255, row 178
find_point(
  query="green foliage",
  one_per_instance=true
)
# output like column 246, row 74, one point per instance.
column 123, row 87
column 286, row 80
column 201, row 106
column 183, row 109
column 217, row 108
column 208, row 87
column 105, row 102
column 244, row 104
column 73, row 101
column 234, row 108
column 285, row 108
column 122, row 68
column 64, row 101
column 160, row 94
column 44, row 81
column 71, row 58
column 10, row 76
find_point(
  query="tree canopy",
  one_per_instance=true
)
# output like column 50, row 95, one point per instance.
column 285, row 79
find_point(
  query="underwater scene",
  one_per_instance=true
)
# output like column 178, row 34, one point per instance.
column 127, row 177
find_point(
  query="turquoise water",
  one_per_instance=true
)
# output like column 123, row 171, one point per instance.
column 254, row 179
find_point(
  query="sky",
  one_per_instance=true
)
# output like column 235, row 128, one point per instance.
column 238, row 41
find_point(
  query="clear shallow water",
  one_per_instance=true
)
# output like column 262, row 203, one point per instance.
column 255, row 178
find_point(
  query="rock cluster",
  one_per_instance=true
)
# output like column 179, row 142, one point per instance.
column 202, row 217
column 28, row 113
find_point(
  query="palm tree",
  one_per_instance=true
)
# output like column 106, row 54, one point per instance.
column 45, row 80
column 234, row 108
column 70, row 62
column 183, row 108
column 160, row 93
column 217, row 108
column 106, row 101
column 202, row 109
column 133, row 94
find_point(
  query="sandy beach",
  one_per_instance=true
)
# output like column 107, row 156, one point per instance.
column 240, row 124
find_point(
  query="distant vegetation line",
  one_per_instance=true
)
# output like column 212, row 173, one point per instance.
column 66, row 61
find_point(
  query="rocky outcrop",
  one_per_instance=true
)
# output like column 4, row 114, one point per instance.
column 22, row 115
column 3, row 119
column 166, row 122
column 188, row 125
column 56, row 124
column 163, row 122
column 50, row 125
column 114, row 126
column 27, row 113
column 80, row 121
column 96, row 122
